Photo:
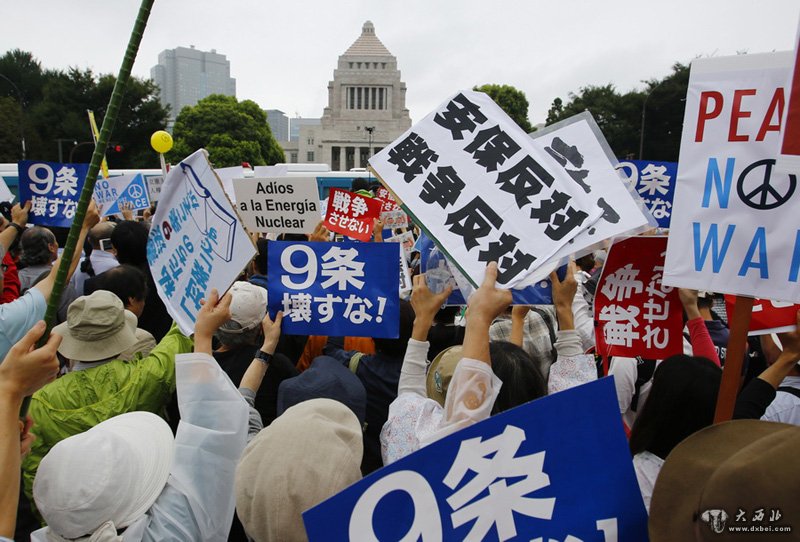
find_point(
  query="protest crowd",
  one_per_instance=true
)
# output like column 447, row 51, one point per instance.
column 167, row 404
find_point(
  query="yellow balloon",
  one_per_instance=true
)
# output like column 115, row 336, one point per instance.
column 161, row 141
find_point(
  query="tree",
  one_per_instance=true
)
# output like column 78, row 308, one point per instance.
column 512, row 101
column 619, row 116
column 55, row 108
column 231, row 131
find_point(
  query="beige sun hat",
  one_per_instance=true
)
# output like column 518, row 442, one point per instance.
column 98, row 327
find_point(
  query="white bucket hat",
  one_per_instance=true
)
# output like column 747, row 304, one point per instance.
column 114, row 472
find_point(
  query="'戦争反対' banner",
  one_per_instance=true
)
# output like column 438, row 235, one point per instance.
column 735, row 223
column 196, row 241
column 475, row 181
column 341, row 289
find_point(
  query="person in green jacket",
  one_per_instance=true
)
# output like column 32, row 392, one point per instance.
column 98, row 329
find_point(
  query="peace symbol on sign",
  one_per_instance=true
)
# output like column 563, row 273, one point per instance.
column 135, row 191
column 764, row 194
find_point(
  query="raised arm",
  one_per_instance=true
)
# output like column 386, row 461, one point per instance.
column 19, row 217
column 702, row 345
column 484, row 305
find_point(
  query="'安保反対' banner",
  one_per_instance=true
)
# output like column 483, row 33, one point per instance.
column 339, row 289
column 735, row 227
column 196, row 242
column 278, row 205
column 114, row 192
column 53, row 190
column 518, row 475
column 635, row 313
column 475, row 181
column 655, row 184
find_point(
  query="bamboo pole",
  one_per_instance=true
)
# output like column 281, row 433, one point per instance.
column 109, row 120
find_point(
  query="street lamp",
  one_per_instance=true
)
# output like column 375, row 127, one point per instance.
column 644, row 108
column 21, row 114
column 369, row 130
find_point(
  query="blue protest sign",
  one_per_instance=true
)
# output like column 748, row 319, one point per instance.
column 53, row 190
column 439, row 273
column 655, row 183
column 543, row 471
column 123, row 189
column 341, row 289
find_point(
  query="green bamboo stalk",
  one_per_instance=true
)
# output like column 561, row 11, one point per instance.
column 109, row 120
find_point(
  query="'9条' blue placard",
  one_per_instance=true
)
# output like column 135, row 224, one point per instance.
column 542, row 471
column 339, row 289
column 655, row 183
column 53, row 190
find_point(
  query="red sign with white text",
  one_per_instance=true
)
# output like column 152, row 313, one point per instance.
column 634, row 313
column 351, row 214
column 768, row 316
column 392, row 215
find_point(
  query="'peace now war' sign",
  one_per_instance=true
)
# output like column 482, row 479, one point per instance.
column 735, row 226
column 634, row 313
column 516, row 476
column 130, row 190
column 196, row 242
column 341, row 289
column 477, row 183
column 280, row 205
column 53, row 190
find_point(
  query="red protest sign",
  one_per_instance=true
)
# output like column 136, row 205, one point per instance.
column 351, row 214
column 768, row 316
column 634, row 313
column 392, row 215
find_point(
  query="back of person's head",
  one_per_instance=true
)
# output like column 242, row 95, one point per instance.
column 522, row 380
column 682, row 401
column 359, row 183
column 722, row 470
column 705, row 300
column 129, row 283
column 129, row 239
column 248, row 308
column 325, row 378
column 260, row 260
column 585, row 263
column 521, row 377
column 309, row 453
column 397, row 347
column 113, row 472
column 100, row 231
column 36, row 244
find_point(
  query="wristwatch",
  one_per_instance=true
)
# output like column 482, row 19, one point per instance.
column 263, row 357
column 17, row 227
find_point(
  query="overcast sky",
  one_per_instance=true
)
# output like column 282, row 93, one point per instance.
column 283, row 54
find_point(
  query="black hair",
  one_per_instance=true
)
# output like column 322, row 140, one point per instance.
column 521, row 377
column 586, row 262
column 125, row 281
column 359, row 183
column 397, row 347
column 260, row 259
column 705, row 302
column 35, row 246
column 682, row 401
column 129, row 238
column 292, row 237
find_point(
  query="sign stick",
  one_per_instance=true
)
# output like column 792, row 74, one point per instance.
column 734, row 360
column 109, row 120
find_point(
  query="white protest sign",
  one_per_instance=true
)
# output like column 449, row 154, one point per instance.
column 480, row 187
column 735, row 227
column 113, row 192
column 405, row 275
column 5, row 193
column 154, row 184
column 406, row 240
column 281, row 205
column 196, row 242
column 578, row 146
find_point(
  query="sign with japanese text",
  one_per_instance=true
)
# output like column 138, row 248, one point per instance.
column 484, row 191
column 655, row 183
column 406, row 240
column 125, row 190
column 515, row 476
column 578, row 147
column 405, row 275
column 768, row 316
column 154, row 184
column 278, row 205
column 735, row 227
column 53, row 190
column 196, row 241
column 338, row 289
column 635, row 313
column 392, row 215
column 351, row 214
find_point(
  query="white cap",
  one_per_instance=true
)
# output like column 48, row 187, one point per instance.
column 248, row 305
